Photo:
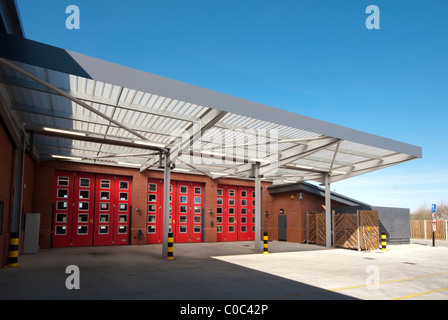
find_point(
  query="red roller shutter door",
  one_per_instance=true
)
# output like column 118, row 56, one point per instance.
column 91, row 209
column 235, row 213
column 186, row 210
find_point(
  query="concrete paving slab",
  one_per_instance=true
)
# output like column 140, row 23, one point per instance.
column 231, row 271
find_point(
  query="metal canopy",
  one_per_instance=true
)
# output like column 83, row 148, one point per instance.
column 88, row 110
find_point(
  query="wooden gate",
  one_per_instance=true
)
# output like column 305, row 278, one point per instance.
column 350, row 230
column 316, row 227
column 369, row 230
column 346, row 230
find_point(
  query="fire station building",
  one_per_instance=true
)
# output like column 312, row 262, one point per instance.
column 98, row 154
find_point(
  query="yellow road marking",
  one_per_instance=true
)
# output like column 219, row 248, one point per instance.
column 419, row 294
column 358, row 286
column 391, row 281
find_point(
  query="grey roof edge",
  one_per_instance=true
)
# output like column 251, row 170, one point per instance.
column 11, row 17
column 32, row 52
column 311, row 188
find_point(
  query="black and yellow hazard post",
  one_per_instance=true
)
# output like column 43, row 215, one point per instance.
column 170, row 247
column 265, row 243
column 383, row 241
column 13, row 254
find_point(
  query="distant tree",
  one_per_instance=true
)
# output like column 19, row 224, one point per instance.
column 442, row 210
column 424, row 212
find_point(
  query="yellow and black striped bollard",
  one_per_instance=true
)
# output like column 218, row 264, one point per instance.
column 265, row 243
column 170, row 247
column 383, row 241
column 13, row 254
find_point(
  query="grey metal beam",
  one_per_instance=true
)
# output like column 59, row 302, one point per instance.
column 334, row 156
column 86, row 97
column 373, row 165
column 196, row 131
column 292, row 167
column 94, row 138
column 81, row 118
column 299, row 152
column 195, row 168
column 295, row 153
column 75, row 100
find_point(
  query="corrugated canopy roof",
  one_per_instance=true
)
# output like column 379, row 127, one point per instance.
column 99, row 112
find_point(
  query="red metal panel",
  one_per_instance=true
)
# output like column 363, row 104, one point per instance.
column 173, row 205
column 63, row 209
column 221, row 217
column 104, row 210
column 83, row 208
column 196, row 210
column 245, row 214
column 231, row 209
column 182, row 212
column 252, row 213
column 122, row 207
column 154, row 226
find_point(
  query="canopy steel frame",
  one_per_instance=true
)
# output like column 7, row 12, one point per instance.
column 300, row 148
column 75, row 100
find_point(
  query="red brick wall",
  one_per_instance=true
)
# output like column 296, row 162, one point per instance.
column 6, row 186
column 28, row 185
column 295, row 209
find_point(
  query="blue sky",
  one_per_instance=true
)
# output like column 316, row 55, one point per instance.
column 312, row 57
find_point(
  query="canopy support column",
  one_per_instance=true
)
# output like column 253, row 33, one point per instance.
column 258, row 241
column 328, row 219
column 166, row 201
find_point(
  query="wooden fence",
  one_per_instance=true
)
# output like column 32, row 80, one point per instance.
column 350, row 230
column 422, row 229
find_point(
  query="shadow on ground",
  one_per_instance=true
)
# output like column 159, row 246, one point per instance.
column 139, row 272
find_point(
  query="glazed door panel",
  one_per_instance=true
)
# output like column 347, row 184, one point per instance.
column 83, row 209
column 122, row 210
column 155, row 211
column 231, row 209
column 221, row 217
column 196, row 210
column 104, row 210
